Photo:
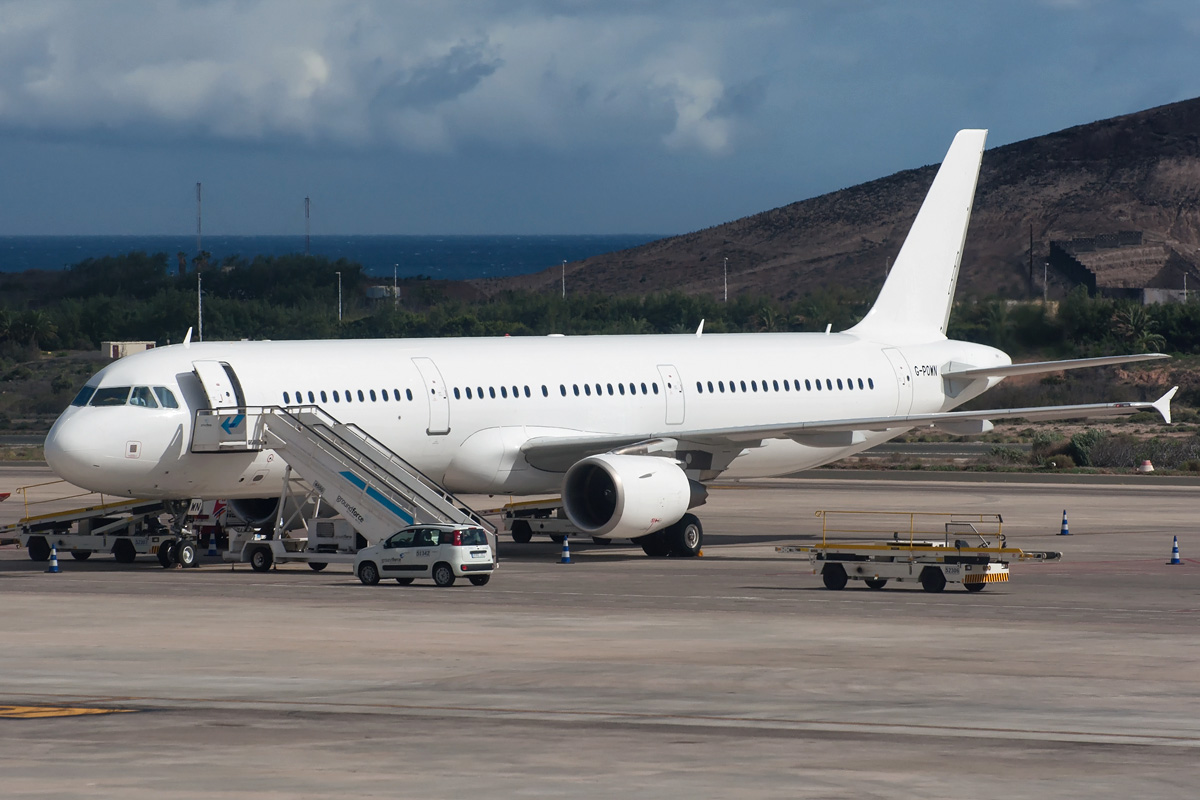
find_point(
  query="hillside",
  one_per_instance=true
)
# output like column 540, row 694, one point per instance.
column 1140, row 171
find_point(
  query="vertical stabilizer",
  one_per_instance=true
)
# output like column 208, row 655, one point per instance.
column 914, row 304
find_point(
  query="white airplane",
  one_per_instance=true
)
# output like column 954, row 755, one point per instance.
column 627, row 428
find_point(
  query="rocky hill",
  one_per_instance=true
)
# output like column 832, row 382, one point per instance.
column 1135, row 172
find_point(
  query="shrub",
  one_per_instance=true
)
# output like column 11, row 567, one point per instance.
column 1060, row 461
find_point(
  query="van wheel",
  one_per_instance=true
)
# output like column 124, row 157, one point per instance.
column 443, row 575
column 261, row 559
column 368, row 573
column 39, row 549
column 834, row 576
column 932, row 580
column 480, row 580
column 317, row 566
column 124, row 552
column 521, row 532
column 404, row 581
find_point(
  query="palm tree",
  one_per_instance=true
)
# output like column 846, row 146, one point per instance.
column 1136, row 326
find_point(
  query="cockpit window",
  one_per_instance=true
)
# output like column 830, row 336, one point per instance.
column 165, row 397
column 142, row 396
column 84, row 395
column 110, row 396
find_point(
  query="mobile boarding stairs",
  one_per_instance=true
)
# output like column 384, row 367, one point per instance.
column 374, row 490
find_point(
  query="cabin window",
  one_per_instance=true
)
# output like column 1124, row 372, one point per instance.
column 754, row 385
column 807, row 385
column 527, row 390
column 818, row 384
column 396, row 394
column 610, row 391
column 699, row 387
column 311, row 398
column 575, row 386
column 111, row 396
column 165, row 397
column 383, row 394
column 492, row 392
column 829, row 384
column 787, row 387
column 654, row 386
column 546, row 392
column 287, row 401
column 456, row 395
column 871, row 382
column 621, row 388
column 721, row 384
column 324, row 398
column 84, row 395
column 710, row 387
column 361, row 397
column 349, row 395
column 372, row 395
column 143, row 397
column 598, row 392
column 839, row 380
column 336, row 397
column 408, row 393
column 775, row 385
column 515, row 392
column 860, row 383
column 504, row 392
column 587, row 389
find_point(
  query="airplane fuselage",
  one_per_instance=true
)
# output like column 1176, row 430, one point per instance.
column 460, row 409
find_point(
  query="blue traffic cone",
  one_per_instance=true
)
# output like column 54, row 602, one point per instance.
column 53, row 560
column 212, row 543
column 1064, row 531
column 566, row 551
column 1174, row 551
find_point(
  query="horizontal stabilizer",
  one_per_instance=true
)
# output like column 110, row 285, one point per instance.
column 1038, row 367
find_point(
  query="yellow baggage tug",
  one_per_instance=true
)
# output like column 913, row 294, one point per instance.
column 969, row 549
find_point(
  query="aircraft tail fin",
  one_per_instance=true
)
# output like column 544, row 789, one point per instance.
column 914, row 304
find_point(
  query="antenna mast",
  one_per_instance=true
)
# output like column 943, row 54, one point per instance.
column 306, row 229
column 198, row 243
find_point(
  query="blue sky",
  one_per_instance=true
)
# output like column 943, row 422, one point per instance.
column 533, row 116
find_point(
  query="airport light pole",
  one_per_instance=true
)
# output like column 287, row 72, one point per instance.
column 339, row 296
column 726, row 280
column 564, row 279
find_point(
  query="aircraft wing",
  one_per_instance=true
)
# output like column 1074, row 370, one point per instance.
column 558, row 453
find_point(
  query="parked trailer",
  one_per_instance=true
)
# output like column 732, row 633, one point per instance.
column 963, row 554
column 529, row 517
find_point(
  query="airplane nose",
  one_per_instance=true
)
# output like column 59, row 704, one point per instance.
column 70, row 450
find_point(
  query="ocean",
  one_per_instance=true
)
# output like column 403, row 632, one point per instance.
column 442, row 257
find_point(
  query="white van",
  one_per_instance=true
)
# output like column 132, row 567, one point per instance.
column 441, row 552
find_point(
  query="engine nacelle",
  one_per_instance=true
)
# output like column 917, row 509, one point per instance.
column 261, row 512
column 617, row 496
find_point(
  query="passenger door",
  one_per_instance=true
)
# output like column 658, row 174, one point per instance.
column 673, row 389
column 435, row 393
column 396, row 560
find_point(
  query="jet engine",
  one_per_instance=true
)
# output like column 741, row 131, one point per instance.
column 620, row 496
column 261, row 512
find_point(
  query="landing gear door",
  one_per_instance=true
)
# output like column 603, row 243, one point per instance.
column 218, row 385
column 673, row 389
column 435, row 393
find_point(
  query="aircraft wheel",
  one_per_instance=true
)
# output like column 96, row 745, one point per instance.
column 974, row 587
column 124, row 552
column 81, row 555
column 166, row 554
column 480, row 580
column 443, row 574
column 317, row 566
column 261, row 559
column 875, row 583
column 521, row 532
column 654, row 544
column 368, row 573
column 39, row 549
column 834, row 576
column 685, row 537
column 186, row 555
column 932, row 580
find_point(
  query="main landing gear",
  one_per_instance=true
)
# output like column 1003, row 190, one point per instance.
column 682, row 540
